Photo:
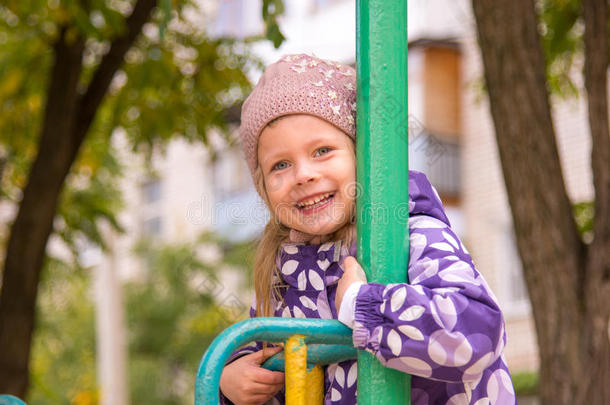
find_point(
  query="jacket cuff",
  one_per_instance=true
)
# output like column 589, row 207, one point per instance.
column 348, row 305
column 368, row 317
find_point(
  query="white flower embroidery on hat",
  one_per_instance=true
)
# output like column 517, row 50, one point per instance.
column 302, row 63
column 353, row 106
column 332, row 94
column 313, row 63
column 350, row 119
column 318, row 84
column 328, row 74
column 336, row 109
column 349, row 86
column 299, row 70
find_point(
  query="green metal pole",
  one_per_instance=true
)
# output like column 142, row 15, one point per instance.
column 382, row 170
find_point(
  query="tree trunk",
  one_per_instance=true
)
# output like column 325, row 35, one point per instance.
column 567, row 298
column 597, row 281
column 67, row 119
column 33, row 224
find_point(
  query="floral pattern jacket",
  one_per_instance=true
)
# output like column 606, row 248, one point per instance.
column 445, row 328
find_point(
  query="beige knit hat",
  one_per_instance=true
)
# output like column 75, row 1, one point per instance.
column 299, row 84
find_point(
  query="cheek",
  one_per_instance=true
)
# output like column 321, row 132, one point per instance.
column 274, row 185
column 275, row 190
column 351, row 189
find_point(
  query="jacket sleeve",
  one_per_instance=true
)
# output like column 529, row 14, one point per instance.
column 249, row 348
column 446, row 325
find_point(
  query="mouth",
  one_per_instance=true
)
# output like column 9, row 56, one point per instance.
column 313, row 204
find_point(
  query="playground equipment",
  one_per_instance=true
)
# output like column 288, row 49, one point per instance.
column 383, row 243
column 10, row 400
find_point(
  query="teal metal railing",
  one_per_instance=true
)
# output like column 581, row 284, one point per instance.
column 10, row 400
column 333, row 338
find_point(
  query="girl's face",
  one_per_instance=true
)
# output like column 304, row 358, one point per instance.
column 309, row 168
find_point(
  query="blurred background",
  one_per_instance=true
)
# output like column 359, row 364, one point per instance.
column 151, row 239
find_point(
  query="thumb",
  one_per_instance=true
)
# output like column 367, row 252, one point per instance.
column 350, row 262
column 352, row 266
column 262, row 355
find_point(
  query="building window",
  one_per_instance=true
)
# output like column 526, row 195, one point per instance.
column 229, row 19
column 434, row 114
column 151, row 222
column 151, row 191
column 439, row 158
column 239, row 213
column 152, row 227
column 321, row 4
column 231, row 175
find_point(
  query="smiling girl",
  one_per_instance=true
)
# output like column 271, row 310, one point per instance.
column 445, row 328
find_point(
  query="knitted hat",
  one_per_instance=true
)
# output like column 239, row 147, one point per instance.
column 299, row 84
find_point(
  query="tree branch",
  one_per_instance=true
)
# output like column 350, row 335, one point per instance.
column 111, row 62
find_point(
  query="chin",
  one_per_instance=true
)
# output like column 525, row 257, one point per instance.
column 321, row 230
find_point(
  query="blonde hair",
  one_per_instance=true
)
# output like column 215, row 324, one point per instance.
column 266, row 273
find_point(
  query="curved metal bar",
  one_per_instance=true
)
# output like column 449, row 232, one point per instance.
column 316, row 354
column 268, row 329
column 10, row 400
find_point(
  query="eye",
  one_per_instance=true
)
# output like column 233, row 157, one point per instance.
column 279, row 166
column 323, row 150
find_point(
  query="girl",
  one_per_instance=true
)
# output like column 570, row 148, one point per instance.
column 445, row 328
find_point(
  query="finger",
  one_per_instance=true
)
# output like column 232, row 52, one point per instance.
column 256, row 389
column 262, row 355
column 260, row 399
column 271, row 389
column 270, row 351
column 269, row 377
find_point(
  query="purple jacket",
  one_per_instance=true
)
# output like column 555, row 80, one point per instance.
column 445, row 328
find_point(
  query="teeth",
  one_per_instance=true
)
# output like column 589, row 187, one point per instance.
column 314, row 201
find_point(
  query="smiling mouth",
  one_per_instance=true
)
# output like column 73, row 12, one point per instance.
column 315, row 202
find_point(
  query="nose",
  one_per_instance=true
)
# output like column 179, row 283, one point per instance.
column 305, row 173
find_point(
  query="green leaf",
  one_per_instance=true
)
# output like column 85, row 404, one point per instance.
column 166, row 9
column 584, row 214
column 562, row 30
column 272, row 9
column 526, row 383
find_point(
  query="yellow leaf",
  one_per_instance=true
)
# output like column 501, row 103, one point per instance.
column 11, row 83
column 85, row 398
column 34, row 102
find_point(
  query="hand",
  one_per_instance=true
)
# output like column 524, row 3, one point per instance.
column 353, row 273
column 245, row 382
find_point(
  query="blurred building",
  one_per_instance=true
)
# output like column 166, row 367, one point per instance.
column 190, row 190
column 446, row 94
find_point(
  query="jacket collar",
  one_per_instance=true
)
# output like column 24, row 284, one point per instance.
column 326, row 260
